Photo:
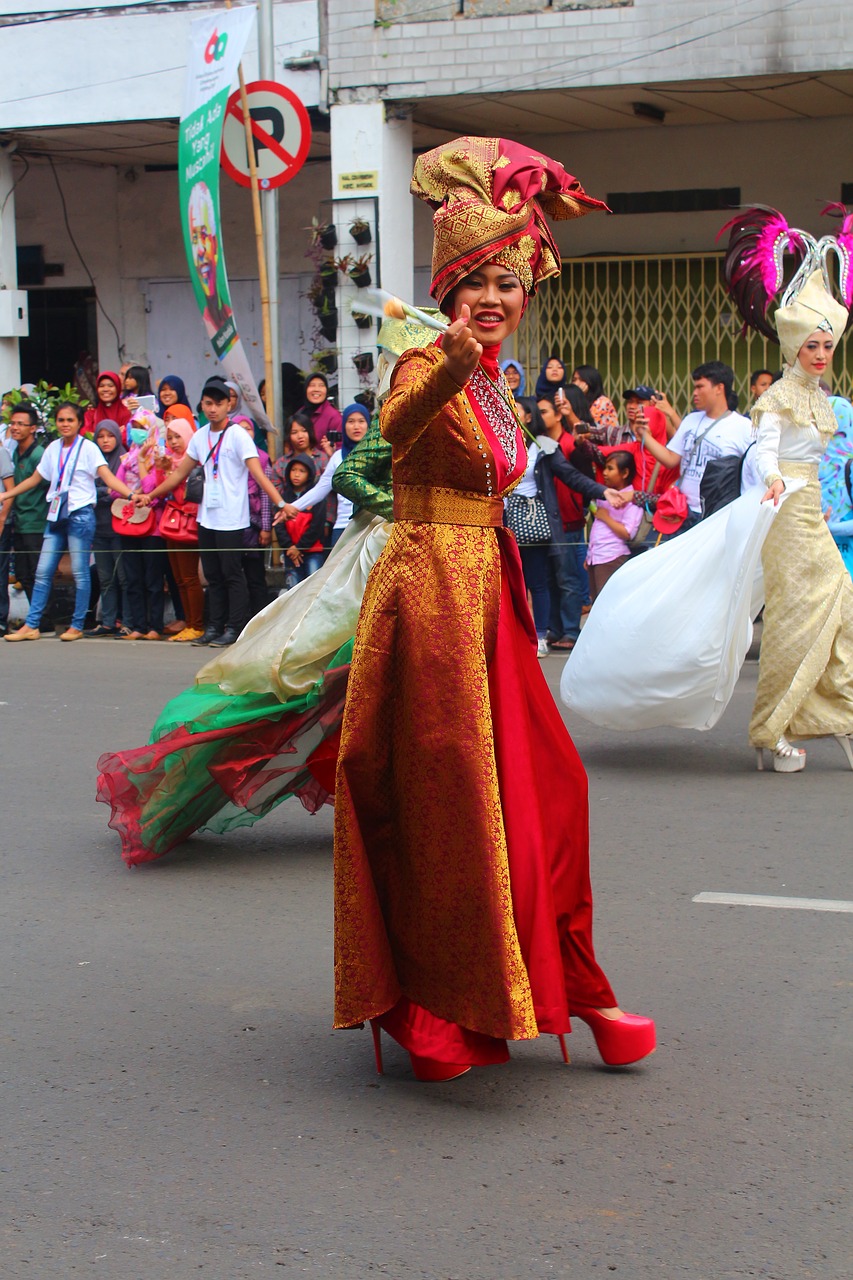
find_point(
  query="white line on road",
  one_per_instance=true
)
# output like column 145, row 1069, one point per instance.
column 767, row 900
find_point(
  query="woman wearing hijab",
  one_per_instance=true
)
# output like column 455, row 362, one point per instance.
column 183, row 557
column 170, row 392
column 106, row 546
column 514, row 374
column 551, row 378
column 355, row 427
column 109, row 407
column 463, row 911
column 323, row 414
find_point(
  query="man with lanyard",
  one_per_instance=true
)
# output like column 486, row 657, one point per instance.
column 714, row 430
column 228, row 457
column 28, row 513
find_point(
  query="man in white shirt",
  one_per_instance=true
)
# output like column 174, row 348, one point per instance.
column 228, row 458
column 713, row 430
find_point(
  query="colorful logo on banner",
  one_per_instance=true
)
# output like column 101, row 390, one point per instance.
column 217, row 41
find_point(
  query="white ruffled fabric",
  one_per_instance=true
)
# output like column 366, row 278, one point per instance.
column 286, row 647
column 667, row 637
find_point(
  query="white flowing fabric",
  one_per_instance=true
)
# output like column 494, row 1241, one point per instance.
column 287, row 646
column 666, row 639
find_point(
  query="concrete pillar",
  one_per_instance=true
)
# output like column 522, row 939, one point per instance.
column 10, row 359
column 371, row 172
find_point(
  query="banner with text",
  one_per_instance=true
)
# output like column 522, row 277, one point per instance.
column 217, row 41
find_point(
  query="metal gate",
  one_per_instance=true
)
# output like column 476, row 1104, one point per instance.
column 648, row 320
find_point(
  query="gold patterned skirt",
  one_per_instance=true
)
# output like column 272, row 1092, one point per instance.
column 805, row 683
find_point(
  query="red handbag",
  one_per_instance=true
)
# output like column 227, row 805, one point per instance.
column 130, row 520
column 179, row 522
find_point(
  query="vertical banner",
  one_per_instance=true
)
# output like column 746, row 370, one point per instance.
column 217, row 41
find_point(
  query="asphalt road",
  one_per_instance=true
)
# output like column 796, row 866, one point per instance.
column 176, row 1103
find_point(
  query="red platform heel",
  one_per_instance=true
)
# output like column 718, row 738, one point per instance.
column 564, row 1050
column 377, row 1045
column 427, row 1070
column 620, row 1041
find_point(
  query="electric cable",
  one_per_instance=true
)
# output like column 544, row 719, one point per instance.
column 83, row 262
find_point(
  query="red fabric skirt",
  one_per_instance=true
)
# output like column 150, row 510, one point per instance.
column 544, row 802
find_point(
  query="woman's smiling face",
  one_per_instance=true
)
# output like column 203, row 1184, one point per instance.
column 496, row 299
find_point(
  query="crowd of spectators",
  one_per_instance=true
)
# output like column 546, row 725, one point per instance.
column 171, row 511
column 166, row 510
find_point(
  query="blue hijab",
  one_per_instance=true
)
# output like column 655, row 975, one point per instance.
column 348, row 445
column 505, row 365
column 177, row 384
column 543, row 386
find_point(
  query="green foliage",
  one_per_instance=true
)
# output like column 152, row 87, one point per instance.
column 46, row 397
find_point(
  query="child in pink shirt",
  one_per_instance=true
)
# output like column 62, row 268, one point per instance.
column 612, row 529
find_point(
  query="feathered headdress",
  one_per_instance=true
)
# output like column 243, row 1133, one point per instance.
column 759, row 238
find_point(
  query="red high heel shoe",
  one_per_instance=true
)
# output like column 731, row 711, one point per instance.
column 427, row 1070
column 620, row 1041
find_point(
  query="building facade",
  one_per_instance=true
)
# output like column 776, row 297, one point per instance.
column 671, row 111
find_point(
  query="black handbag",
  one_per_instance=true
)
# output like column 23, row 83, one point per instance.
column 527, row 518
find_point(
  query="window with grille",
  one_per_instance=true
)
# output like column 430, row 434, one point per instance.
column 650, row 321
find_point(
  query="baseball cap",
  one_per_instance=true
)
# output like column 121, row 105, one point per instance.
column 218, row 386
column 671, row 511
column 641, row 392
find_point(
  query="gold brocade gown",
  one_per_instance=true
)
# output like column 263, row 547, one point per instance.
column 805, row 683
column 461, row 821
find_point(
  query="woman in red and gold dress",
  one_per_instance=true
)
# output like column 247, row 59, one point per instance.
column 463, row 911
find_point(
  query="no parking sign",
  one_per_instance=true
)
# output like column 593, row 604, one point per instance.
column 281, row 132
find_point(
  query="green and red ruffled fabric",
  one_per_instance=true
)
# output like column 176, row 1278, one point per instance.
column 219, row 761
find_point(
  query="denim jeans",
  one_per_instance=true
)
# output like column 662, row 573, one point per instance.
column 570, row 586
column 75, row 535
column 534, row 562
column 311, row 562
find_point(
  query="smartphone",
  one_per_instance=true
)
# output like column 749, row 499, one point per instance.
column 334, row 436
column 147, row 402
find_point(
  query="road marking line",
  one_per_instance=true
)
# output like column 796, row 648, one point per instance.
column 767, row 900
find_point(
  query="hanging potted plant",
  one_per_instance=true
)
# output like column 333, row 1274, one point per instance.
column 360, row 231
column 328, row 275
column 363, row 362
column 323, row 234
column 359, row 271
column 362, row 320
column 326, row 362
column 328, row 317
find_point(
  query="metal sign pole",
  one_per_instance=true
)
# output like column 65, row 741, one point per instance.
column 269, row 209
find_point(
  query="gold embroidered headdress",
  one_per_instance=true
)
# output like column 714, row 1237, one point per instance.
column 490, row 198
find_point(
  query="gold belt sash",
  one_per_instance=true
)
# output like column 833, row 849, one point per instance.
column 427, row 504
column 798, row 470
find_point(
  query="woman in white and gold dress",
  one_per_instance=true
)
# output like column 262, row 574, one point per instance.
column 805, row 683
column 667, row 638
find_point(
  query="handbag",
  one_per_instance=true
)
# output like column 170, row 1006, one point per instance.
column 528, row 519
column 645, row 526
column 179, row 522
column 132, row 521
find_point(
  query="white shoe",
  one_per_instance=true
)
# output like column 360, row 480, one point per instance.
column 786, row 758
column 542, row 649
